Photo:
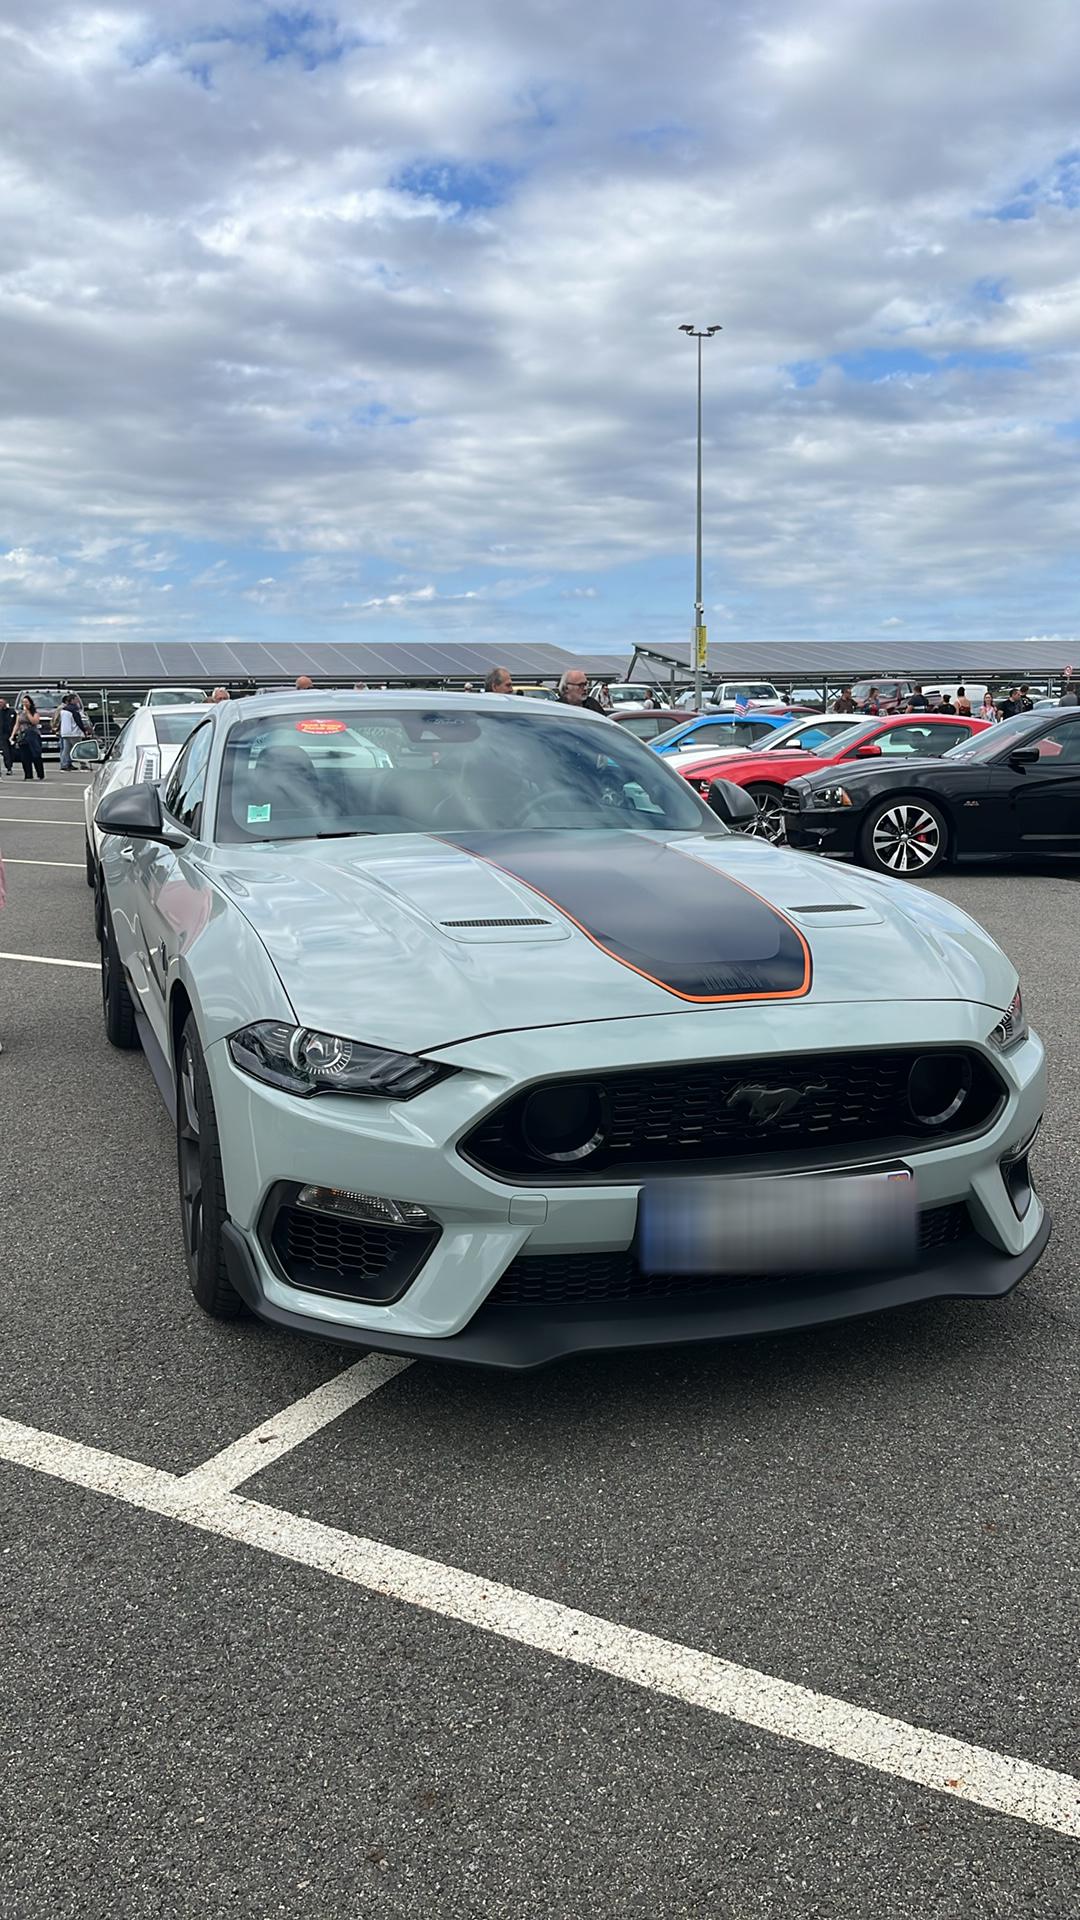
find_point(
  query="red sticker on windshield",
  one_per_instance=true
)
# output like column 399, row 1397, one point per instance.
column 321, row 726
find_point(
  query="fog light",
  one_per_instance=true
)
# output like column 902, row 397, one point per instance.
column 938, row 1085
column 364, row 1206
column 564, row 1123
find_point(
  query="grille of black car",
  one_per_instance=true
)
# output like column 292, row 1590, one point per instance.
column 575, row 1279
column 791, row 799
column 354, row 1259
column 830, row 1107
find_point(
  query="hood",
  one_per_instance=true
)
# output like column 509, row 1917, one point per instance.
column 850, row 773
column 415, row 942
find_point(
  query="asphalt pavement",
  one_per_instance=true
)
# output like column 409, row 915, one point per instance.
column 884, row 1513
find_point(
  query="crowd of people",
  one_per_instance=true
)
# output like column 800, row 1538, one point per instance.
column 22, row 727
column 1002, row 707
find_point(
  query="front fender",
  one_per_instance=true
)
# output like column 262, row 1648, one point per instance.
column 219, row 963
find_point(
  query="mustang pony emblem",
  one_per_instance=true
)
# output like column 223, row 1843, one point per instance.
column 766, row 1104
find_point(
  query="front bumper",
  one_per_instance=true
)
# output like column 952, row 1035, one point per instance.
column 517, row 1338
column 830, row 830
column 409, row 1153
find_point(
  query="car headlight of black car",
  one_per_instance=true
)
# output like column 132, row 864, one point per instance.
column 302, row 1061
column 829, row 797
column 1012, row 1028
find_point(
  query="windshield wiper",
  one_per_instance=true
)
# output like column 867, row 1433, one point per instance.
column 341, row 833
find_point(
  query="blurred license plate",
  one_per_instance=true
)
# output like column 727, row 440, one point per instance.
column 775, row 1224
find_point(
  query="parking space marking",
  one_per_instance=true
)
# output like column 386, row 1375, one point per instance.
column 46, row 960
column 294, row 1424
column 978, row 1775
column 10, row 861
column 35, row 820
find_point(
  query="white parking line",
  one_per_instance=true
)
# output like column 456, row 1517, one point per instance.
column 35, row 820
column 45, row 960
column 286, row 1430
column 996, row 1781
column 10, row 861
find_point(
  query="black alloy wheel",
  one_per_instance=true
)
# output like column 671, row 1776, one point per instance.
column 908, row 838
column 769, row 824
column 202, row 1182
column 117, row 1006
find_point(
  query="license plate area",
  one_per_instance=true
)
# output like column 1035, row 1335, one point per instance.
column 779, row 1224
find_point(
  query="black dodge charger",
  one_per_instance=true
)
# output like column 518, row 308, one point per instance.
column 1012, row 789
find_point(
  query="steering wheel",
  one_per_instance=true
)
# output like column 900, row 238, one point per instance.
column 551, row 796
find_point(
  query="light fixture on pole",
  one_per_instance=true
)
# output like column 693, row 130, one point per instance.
column 700, row 638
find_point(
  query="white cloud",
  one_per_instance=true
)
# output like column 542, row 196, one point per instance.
column 395, row 294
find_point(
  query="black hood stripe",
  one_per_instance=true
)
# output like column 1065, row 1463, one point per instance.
column 673, row 919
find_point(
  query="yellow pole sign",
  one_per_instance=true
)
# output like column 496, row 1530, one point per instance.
column 701, row 648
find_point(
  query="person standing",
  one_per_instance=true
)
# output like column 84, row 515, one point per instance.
column 1012, row 704
column 988, row 711
column 844, row 702
column 219, row 695
column 1070, row 697
column 70, row 730
column 573, row 691
column 963, row 704
column 945, row 705
column 28, row 739
column 1027, row 704
column 917, row 701
column 7, row 723
column 873, row 703
column 499, row 680
column 304, row 683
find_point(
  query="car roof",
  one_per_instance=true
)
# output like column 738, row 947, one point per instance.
column 253, row 706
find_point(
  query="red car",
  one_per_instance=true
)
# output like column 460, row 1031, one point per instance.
column 763, row 774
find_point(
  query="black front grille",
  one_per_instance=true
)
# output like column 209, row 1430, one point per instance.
column 353, row 1259
column 790, row 799
column 825, row 1108
column 575, row 1279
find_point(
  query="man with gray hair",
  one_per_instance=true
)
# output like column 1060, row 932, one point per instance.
column 219, row 694
column 500, row 680
column 574, row 691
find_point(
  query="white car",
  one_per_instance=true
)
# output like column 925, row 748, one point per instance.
column 636, row 693
column 144, row 749
column 175, row 697
column 507, row 1048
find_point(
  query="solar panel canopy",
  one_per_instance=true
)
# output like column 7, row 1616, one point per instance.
column 145, row 663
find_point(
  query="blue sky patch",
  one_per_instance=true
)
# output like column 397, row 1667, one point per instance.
column 469, row 189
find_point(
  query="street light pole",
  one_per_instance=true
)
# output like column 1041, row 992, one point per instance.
column 700, row 637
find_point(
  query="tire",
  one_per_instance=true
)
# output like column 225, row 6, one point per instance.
column 905, row 838
column 201, row 1182
column 117, row 1006
column 769, row 824
column 91, row 864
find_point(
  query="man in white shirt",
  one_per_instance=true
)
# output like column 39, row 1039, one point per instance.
column 70, row 731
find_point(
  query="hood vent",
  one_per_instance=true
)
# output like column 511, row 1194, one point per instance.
column 495, row 923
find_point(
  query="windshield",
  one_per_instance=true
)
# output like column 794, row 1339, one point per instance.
column 172, row 729
column 804, row 736
column 992, row 740
column 317, row 770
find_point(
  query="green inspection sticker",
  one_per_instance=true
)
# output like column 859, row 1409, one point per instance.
column 258, row 813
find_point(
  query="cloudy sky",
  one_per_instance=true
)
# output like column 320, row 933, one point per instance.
column 361, row 321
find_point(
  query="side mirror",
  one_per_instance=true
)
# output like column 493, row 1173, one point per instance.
column 135, row 814
column 866, row 753
column 85, row 752
column 731, row 804
column 1024, row 756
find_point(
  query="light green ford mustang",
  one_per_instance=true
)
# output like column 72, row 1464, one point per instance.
column 487, row 1040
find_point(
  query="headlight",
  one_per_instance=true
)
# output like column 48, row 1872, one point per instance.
column 1012, row 1028
column 301, row 1061
column 829, row 797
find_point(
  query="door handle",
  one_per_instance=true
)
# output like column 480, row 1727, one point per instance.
column 127, row 851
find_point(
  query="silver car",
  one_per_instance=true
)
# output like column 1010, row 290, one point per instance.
column 144, row 749
column 486, row 1039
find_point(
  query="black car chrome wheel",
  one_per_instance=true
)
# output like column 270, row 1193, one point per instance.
column 201, row 1182
column 904, row 837
column 769, row 824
